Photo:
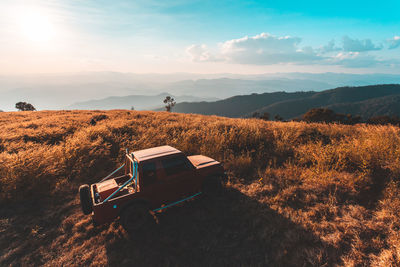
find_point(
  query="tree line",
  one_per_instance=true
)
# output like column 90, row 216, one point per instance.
column 325, row 115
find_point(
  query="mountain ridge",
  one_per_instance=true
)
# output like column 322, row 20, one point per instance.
column 353, row 100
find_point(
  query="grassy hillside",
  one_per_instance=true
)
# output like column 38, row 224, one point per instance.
column 297, row 194
column 352, row 100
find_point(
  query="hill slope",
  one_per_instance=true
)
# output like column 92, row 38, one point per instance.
column 291, row 105
column 296, row 193
column 237, row 106
column 341, row 95
column 386, row 105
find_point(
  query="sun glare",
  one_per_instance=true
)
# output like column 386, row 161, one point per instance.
column 35, row 25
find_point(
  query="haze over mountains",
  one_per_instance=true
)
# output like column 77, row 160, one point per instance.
column 63, row 91
column 138, row 102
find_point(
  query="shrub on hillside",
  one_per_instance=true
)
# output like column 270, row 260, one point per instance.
column 319, row 115
column 329, row 116
column 97, row 118
column 384, row 120
column 265, row 116
column 277, row 117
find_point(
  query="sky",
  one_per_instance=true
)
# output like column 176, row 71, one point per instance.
column 149, row 36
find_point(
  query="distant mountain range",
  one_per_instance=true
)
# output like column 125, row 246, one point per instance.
column 139, row 102
column 366, row 101
column 58, row 91
column 227, row 87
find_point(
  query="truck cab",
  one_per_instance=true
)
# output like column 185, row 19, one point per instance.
column 152, row 179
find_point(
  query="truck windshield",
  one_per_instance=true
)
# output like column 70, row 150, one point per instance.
column 175, row 165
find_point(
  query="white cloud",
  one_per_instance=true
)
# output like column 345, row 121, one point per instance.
column 266, row 49
column 353, row 60
column 394, row 43
column 355, row 45
column 359, row 60
column 200, row 53
column 330, row 47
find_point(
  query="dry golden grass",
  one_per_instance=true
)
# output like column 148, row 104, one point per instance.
column 297, row 194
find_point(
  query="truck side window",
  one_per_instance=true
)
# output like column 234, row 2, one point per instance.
column 149, row 173
column 175, row 165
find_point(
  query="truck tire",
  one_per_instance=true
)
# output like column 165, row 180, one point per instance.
column 86, row 199
column 136, row 217
column 212, row 186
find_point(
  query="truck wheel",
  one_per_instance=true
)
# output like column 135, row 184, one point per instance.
column 86, row 199
column 136, row 217
column 212, row 186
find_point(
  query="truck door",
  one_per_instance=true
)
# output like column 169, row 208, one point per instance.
column 151, row 182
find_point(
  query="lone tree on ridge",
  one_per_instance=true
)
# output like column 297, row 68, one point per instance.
column 23, row 106
column 169, row 103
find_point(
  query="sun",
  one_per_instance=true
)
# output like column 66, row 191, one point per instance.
column 35, row 25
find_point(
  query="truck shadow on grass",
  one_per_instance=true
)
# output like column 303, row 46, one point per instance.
column 231, row 230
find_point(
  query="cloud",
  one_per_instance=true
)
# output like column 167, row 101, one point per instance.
column 353, row 60
column 266, row 49
column 359, row 60
column 330, row 47
column 200, row 53
column 394, row 43
column 355, row 45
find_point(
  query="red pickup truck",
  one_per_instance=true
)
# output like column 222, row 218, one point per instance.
column 153, row 179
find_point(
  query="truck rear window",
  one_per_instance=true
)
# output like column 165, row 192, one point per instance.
column 175, row 165
column 149, row 173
